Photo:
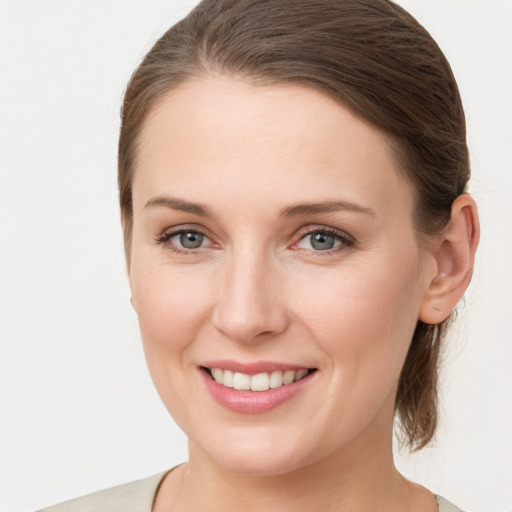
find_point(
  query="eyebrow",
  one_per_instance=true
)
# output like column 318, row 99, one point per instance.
column 296, row 210
column 325, row 207
column 179, row 204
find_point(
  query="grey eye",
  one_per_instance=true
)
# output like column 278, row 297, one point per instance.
column 190, row 239
column 322, row 241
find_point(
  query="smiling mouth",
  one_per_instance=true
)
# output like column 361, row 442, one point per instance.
column 258, row 382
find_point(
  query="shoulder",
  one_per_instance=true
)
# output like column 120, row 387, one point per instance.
column 445, row 506
column 135, row 496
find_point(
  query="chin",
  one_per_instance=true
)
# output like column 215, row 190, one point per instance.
column 253, row 456
column 262, row 465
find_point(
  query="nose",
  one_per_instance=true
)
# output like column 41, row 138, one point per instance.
column 250, row 306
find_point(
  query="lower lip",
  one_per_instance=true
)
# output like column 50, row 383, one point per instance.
column 253, row 402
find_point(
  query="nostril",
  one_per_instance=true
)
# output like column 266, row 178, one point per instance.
column 263, row 334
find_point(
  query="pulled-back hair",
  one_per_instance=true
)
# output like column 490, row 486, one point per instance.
column 373, row 58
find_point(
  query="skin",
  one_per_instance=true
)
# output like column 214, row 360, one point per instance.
column 258, row 290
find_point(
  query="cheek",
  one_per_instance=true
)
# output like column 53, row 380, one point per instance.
column 363, row 322
column 364, row 319
column 171, row 305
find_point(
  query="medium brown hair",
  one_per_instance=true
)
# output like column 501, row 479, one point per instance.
column 371, row 56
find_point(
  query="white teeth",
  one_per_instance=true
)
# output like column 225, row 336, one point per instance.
column 241, row 381
column 217, row 374
column 258, row 382
column 276, row 379
column 228, row 378
column 299, row 374
column 288, row 377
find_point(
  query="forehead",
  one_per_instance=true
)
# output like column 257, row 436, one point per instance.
column 262, row 140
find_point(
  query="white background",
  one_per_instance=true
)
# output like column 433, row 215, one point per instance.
column 78, row 410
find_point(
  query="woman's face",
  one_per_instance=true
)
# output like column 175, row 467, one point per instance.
column 272, row 234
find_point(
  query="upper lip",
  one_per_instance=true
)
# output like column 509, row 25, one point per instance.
column 253, row 368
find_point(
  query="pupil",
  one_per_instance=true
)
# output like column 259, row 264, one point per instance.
column 322, row 241
column 191, row 240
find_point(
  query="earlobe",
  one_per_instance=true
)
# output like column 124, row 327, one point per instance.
column 454, row 257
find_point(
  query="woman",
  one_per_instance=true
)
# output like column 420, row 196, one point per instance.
column 292, row 184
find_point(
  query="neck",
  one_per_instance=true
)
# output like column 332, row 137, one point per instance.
column 357, row 480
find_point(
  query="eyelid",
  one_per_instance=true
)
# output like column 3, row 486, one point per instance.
column 164, row 237
column 346, row 239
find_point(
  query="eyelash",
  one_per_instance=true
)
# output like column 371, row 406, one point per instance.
column 346, row 240
column 165, row 237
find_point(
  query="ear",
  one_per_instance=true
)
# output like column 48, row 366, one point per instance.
column 454, row 256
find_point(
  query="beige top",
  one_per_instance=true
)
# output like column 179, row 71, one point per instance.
column 138, row 496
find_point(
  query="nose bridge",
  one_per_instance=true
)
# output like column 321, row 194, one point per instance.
column 249, row 305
